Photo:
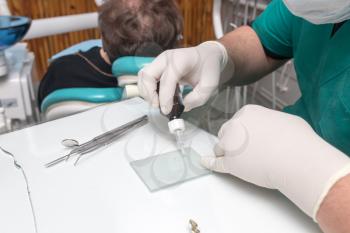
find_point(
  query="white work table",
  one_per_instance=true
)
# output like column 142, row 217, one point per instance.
column 104, row 194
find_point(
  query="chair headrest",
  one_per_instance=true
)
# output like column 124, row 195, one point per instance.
column 129, row 65
column 91, row 95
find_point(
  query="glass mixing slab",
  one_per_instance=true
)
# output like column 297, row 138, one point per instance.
column 164, row 170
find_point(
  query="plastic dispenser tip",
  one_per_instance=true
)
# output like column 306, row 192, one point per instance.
column 177, row 128
column 176, row 124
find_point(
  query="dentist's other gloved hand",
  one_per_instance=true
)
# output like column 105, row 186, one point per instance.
column 279, row 151
column 198, row 66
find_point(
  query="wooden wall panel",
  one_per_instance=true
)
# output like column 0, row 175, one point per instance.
column 44, row 48
column 197, row 24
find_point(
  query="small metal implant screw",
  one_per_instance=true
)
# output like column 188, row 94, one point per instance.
column 194, row 227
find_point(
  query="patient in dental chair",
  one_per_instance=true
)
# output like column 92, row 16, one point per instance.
column 128, row 28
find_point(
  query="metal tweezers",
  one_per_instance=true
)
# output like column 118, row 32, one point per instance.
column 100, row 141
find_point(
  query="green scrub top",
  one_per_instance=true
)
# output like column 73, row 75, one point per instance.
column 322, row 64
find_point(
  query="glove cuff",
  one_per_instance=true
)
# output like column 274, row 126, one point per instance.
column 329, row 184
column 223, row 52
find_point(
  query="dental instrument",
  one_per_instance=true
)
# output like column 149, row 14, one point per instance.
column 19, row 167
column 97, row 142
column 70, row 143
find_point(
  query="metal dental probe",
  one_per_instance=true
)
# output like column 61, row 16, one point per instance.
column 111, row 139
column 101, row 140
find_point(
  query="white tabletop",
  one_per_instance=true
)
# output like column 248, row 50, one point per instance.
column 104, row 194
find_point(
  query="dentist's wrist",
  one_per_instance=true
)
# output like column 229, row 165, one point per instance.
column 331, row 187
column 334, row 212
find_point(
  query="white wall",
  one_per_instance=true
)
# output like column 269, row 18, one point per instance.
column 4, row 10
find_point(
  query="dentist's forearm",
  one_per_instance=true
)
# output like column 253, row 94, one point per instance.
column 334, row 213
column 246, row 52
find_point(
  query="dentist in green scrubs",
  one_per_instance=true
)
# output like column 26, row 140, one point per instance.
column 303, row 151
column 317, row 40
column 321, row 56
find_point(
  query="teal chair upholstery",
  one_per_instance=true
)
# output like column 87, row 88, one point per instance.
column 91, row 95
column 129, row 65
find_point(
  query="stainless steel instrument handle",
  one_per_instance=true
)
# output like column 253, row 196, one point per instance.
column 102, row 140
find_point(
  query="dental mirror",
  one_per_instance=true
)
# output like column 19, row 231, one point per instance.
column 69, row 143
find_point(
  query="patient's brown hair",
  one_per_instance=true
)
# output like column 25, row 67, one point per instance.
column 139, row 27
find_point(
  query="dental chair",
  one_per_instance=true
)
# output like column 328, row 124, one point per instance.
column 68, row 101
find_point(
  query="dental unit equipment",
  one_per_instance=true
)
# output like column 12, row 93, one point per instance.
column 97, row 142
column 17, row 94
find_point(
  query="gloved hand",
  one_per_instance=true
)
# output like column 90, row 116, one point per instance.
column 279, row 151
column 198, row 66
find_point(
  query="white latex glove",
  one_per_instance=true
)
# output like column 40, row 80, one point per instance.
column 199, row 66
column 279, row 151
